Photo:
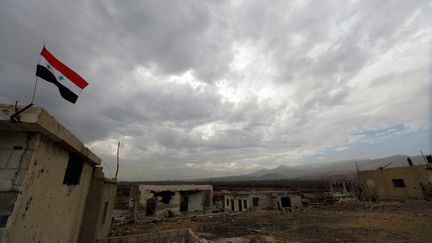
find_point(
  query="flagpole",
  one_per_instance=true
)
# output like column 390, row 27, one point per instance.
column 34, row 90
column 14, row 117
column 36, row 79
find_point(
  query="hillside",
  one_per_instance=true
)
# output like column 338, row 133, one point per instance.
column 338, row 169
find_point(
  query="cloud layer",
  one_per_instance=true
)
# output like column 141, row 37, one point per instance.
column 208, row 88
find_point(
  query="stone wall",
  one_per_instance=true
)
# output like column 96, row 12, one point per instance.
column 172, row 236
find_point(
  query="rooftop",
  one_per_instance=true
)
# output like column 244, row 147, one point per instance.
column 37, row 119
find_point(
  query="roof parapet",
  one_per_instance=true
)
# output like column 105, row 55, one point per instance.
column 37, row 119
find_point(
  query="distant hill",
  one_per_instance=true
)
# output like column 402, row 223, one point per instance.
column 271, row 176
column 339, row 169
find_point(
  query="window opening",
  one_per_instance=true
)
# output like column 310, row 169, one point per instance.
column 398, row 183
column 73, row 170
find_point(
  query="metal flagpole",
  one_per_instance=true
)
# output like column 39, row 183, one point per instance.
column 14, row 117
column 34, row 90
column 36, row 79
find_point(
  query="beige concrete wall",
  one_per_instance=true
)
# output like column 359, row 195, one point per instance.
column 378, row 183
column 101, row 191
column 195, row 202
column 16, row 150
column 38, row 120
column 295, row 201
column 47, row 210
column 265, row 200
column 109, row 193
column 236, row 198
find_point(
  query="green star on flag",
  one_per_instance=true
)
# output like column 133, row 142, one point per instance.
column 69, row 83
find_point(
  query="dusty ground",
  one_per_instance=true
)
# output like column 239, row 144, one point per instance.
column 348, row 222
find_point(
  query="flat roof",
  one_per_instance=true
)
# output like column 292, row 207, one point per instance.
column 407, row 167
column 37, row 119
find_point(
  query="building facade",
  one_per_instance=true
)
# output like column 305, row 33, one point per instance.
column 242, row 201
column 171, row 200
column 46, row 175
column 408, row 182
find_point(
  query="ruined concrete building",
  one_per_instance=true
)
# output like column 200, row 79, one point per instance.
column 52, row 188
column 343, row 187
column 344, row 190
column 410, row 182
column 171, row 200
column 242, row 201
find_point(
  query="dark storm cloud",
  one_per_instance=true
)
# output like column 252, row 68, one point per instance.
column 198, row 88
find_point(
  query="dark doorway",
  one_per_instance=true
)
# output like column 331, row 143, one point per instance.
column 240, row 205
column 285, row 201
column 151, row 206
column 184, row 201
column 232, row 204
column 255, row 201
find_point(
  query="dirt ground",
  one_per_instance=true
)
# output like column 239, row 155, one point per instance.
column 347, row 222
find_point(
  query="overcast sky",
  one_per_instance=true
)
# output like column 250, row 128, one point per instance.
column 197, row 89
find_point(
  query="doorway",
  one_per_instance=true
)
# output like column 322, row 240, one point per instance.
column 286, row 202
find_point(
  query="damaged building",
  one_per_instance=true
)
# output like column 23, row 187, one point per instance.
column 343, row 190
column 171, row 200
column 242, row 201
column 407, row 182
column 52, row 188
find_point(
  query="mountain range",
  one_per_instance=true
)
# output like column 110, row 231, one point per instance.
column 340, row 169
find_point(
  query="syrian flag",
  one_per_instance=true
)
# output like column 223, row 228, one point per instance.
column 69, row 83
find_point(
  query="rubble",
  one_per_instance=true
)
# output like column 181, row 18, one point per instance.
column 344, row 222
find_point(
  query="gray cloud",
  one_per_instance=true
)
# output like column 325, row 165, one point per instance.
column 201, row 88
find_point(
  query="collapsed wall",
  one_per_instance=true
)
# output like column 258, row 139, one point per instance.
column 172, row 200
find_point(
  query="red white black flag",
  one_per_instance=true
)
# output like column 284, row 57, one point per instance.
column 69, row 83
